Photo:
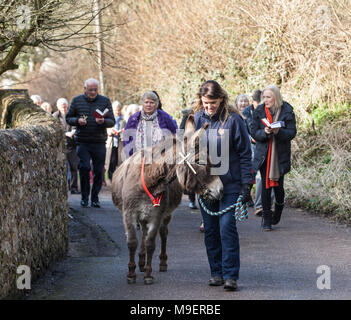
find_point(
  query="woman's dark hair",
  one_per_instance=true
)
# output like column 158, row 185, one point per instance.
column 159, row 100
column 256, row 96
column 211, row 89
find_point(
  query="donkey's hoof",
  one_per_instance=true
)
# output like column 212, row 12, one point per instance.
column 163, row 268
column 149, row 280
column 131, row 280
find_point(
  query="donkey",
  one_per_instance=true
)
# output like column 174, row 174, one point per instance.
column 165, row 178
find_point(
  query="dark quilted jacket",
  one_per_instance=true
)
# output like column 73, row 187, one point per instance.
column 239, row 153
column 92, row 132
column 283, row 138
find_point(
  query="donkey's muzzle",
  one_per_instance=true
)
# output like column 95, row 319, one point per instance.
column 214, row 190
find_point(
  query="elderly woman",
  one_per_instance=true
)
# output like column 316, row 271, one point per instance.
column 147, row 127
column 47, row 107
column 273, row 150
column 241, row 102
column 221, row 236
column 36, row 99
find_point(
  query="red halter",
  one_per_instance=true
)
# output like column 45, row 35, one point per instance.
column 156, row 201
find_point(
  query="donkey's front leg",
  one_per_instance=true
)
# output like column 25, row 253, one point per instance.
column 132, row 243
column 150, row 243
column 163, row 235
column 142, row 252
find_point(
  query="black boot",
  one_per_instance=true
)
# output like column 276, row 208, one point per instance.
column 278, row 209
column 267, row 220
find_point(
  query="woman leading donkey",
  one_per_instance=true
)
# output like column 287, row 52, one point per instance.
column 221, row 236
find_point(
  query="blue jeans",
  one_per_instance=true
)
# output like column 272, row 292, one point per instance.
column 222, row 239
column 96, row 152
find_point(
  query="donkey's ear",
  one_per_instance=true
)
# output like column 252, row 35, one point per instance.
column 205, row 126
column 189, row 126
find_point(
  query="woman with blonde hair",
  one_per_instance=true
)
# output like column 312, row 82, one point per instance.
column 273, row 150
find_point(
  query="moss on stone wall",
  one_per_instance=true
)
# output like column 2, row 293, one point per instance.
column 33, row 190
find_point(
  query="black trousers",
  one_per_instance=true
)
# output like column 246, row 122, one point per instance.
column 266, row 193
column 95, row 152
column 113, row 162
column 73, row 161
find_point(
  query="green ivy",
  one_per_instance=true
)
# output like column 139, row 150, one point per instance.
column 324, row 112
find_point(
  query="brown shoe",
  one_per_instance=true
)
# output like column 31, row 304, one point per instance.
column 216, row 281
column 258, row 212
column 230, row 285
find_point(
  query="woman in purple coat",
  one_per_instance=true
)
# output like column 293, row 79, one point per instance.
column 147, row 127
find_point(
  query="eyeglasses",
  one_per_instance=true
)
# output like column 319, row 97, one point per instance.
column 91, row 90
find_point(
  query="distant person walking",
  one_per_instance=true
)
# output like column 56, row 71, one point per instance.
column 273, row 150
column 241, row 102
column 72, row 158
column 191, row 195
column 248, row 114
column 91, row 113
column 112, row 143
column 36, row 99
column 47, row 107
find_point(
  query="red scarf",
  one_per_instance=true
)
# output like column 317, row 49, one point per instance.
column 269, row 183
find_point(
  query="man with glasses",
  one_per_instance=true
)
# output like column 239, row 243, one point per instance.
column 91, row 113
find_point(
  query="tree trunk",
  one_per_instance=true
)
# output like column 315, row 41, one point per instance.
column 99, row 43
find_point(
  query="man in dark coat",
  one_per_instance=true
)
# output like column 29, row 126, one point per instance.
column 91, row 113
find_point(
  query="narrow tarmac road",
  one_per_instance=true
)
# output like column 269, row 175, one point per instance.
column 282, row 264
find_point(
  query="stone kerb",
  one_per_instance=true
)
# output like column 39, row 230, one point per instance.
column 33, row 190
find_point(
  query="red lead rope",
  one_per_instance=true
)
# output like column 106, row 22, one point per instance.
column 156, row 201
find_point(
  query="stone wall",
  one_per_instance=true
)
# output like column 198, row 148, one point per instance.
column 33, row 190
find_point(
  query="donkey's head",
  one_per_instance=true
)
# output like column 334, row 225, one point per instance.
column 194, row 168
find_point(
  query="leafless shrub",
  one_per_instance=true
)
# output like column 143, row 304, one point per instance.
column 321, row 172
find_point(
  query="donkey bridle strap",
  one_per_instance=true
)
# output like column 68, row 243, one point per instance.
column 185, row 159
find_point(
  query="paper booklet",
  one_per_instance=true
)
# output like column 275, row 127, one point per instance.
column 100, row 114
column 273, row 125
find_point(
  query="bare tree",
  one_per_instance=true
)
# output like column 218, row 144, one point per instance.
column 59, row 25
column 100, row 44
